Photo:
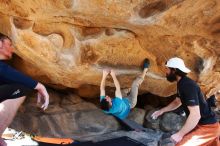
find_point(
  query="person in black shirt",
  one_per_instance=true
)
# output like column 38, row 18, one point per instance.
column 201, row 126
column 14, row 86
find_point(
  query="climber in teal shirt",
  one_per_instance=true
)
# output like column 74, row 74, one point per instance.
column 118, row 106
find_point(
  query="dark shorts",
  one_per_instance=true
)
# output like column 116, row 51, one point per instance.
column 12, row 91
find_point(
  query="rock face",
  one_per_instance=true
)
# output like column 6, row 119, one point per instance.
column 172, row 122
column 168, row 122
column 67, row 116
column 67, row 43
column 70, row 116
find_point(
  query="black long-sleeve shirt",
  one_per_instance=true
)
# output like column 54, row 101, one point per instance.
column 10, row 75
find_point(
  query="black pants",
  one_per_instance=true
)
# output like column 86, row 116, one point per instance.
column 12, row 91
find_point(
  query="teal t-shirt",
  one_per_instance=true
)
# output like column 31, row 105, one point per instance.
column 120, row 107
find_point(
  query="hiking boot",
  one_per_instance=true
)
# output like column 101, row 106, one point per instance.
column 146, row 63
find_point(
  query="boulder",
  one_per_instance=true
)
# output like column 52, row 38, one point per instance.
column 66, row 44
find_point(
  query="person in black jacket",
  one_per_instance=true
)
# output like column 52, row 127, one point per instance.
column 14, row 86
column 201, row 127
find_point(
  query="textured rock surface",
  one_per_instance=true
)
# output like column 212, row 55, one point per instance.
column 67, row 43
column 168, row 122
column 137, row 115
column 172, row 122
column 67, row 116
column 152, row 123
column 70, row 116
